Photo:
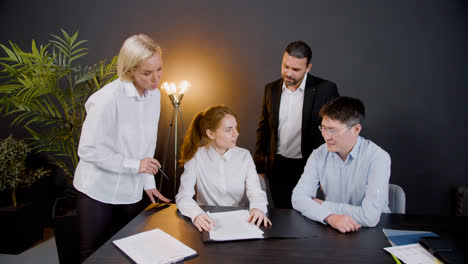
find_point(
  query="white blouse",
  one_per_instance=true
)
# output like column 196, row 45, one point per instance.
column 219, row 180
column 120, row 129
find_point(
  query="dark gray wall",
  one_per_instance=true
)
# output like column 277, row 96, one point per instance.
column 406, row 61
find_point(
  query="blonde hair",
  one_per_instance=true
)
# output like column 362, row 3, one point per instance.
column 134, row 50
column 208, row 119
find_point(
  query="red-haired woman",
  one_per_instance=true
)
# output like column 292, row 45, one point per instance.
column 221, row 173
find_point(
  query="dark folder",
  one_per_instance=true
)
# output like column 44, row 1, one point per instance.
column 269, row 232
column 444, row 249
column 286, row 224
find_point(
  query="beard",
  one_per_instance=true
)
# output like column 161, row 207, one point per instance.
column 291, row 81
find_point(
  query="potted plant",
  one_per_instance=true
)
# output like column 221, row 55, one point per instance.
column 18, row 232
column 45, row 91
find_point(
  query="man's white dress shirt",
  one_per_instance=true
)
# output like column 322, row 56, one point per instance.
column 120, row 129
column 219, row 180
column 290, row 121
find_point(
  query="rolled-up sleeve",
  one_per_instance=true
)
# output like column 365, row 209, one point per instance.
column 306, row 190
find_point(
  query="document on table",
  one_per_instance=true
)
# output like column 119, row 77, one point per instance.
column 154, row 246
column 233, row 225
column 412, row 254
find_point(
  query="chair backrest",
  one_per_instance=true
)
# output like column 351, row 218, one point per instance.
column 396, row 199
column 462, row 200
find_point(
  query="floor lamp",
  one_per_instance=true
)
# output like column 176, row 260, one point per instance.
column 175, row 95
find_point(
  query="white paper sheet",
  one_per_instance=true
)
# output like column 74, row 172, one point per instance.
column 154, row 246
column 233, row 225
column 412, row 254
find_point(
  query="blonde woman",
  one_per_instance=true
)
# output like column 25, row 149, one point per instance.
column 221, row 173
column 117, row 145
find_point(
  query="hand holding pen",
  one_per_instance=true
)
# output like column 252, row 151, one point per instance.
column 152, row 166
column 149, row 165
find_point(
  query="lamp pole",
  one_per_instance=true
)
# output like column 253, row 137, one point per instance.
column 175, row 98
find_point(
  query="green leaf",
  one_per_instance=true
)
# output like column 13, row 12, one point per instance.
column 8, row 68
column 60, row 40
column 78, row 50
column 79, row 43
column 10, row 53
column 9, row 88
column 77, row 56
column 43, row 49
column 16, row 49
column 60, row 46
column 73, row 38
column 65, row 34
column 34, row 50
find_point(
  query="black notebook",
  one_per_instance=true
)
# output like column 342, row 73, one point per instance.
column 444, row 249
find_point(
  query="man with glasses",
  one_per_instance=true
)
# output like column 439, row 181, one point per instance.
column 352, row 172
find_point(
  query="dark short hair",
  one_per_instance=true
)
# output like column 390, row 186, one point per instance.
column 347, row 110
column 299, row 49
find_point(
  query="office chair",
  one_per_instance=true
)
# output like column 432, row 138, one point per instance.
column 396, row 199
column 461, row 200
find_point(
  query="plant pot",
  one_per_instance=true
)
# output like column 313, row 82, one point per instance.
column 65, row 217
column 19, row 228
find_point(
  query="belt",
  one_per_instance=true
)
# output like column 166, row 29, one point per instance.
column 280, row 157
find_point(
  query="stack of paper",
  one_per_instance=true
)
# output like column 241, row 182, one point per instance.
column 406, row 246
column 412, row 253
column 154, row 246
column 233, row 225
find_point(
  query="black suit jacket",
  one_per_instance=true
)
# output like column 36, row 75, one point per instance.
column 317, row 93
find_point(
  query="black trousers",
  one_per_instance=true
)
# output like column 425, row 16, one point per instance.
column 282, row 179
column 100, row 221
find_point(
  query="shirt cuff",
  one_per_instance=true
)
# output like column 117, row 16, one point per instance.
column 131, row 164
column 261, row 207
column 318, row 215
column 149, row 182
column 195, row 213
column 325, row 211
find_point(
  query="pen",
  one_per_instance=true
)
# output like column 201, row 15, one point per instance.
column 162, row 172
column 397, row 261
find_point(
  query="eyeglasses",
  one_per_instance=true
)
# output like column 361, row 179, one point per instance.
column 331, row 133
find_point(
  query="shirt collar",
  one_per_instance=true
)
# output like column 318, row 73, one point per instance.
column 354, row 152
column 301, row 86
column 215, row 155
column 131, row 91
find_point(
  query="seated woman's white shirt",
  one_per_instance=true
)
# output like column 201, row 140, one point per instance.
column 219, row 180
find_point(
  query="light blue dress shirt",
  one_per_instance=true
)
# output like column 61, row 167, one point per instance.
column 357, row 187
